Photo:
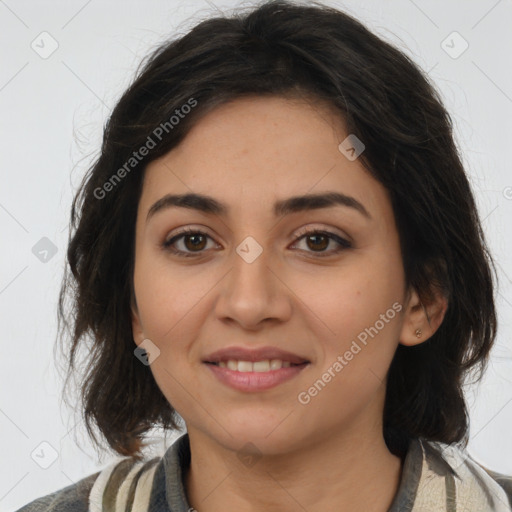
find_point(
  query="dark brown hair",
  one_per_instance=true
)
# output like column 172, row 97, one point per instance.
column 287, row 50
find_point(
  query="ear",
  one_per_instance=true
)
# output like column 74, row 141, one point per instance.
column 137, row 329
column 420, row 321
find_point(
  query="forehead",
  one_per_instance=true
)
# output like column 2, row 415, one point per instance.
column 254, row 151
column 252, row 131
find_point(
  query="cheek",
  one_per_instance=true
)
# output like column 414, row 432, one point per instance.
column 359, row 311
column 354, row 296
column 166, row 294
column 363, row 316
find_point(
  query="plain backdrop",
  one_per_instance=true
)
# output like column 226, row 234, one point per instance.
column 65, row 64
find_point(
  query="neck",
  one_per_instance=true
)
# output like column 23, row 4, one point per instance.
column 337, row 472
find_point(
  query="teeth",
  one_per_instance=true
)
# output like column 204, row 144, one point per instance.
column 258, row 366
column 275, row 364
column 244, row 366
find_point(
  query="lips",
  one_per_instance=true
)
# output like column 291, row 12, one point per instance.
column 253, row 355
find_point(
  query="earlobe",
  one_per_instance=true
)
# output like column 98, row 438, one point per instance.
column 420, row 321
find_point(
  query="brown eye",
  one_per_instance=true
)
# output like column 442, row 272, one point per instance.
column 317, row 241
column 193, row 241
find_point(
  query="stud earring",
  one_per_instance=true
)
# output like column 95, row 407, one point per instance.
column 418, row 333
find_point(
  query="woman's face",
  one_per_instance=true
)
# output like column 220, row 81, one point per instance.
column 253, row 280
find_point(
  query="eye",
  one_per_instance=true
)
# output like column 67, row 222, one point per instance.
column 193, row 239
column 319, row 240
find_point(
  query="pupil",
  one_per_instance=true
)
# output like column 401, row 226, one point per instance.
column 315, row 240
column 194, row 244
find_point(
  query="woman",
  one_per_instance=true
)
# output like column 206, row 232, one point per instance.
column 279, row 245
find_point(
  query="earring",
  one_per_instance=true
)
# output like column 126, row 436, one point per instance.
column 418, row 333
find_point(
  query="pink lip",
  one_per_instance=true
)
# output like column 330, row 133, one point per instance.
column 252, row 355
column 255, row 381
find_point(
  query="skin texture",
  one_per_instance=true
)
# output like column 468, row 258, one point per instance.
column 328, row 454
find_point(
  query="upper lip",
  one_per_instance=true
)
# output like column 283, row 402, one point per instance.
column 252, row 355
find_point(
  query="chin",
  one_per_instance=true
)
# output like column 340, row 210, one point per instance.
column 260, row 437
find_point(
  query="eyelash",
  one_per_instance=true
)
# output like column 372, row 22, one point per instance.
column 343, row 244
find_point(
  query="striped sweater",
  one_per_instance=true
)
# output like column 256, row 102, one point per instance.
column 435, row 478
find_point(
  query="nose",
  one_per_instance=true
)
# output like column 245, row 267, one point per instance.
column 253, row 293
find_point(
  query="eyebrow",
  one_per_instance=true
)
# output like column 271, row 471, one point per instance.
column 208, row 204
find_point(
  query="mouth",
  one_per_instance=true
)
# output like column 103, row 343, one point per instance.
column 254, row 376
column 265, row 365
column 261, row 359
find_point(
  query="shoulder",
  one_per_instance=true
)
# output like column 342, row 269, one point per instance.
column 127, row 481
column 466, row 482
column 73, row 498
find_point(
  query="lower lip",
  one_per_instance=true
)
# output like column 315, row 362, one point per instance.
column 255, row 381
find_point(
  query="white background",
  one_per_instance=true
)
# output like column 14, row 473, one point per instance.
column 53, row 112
